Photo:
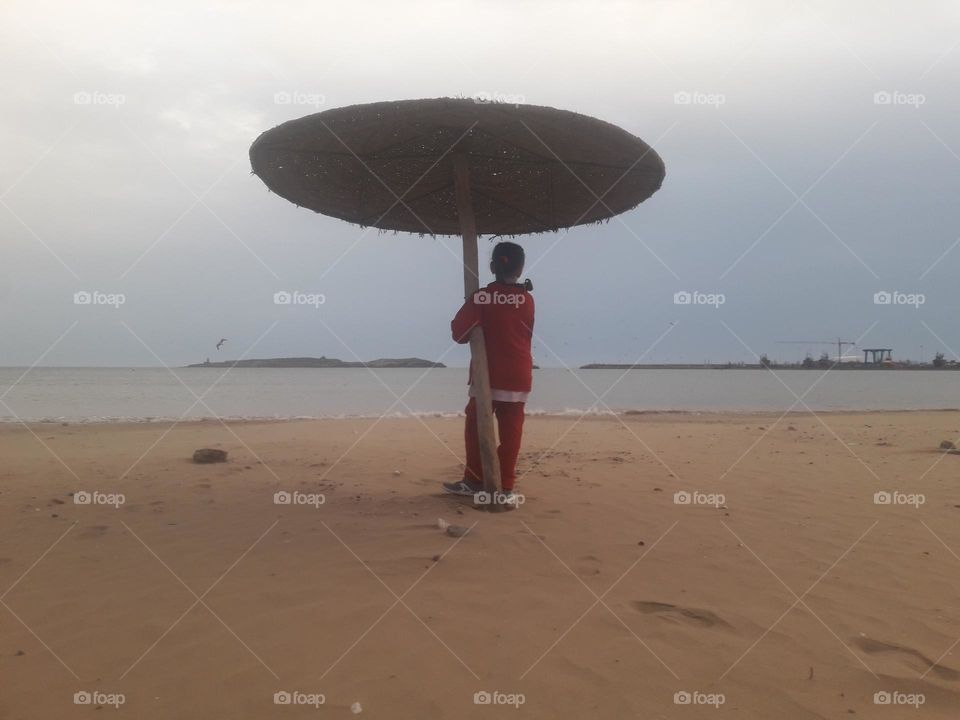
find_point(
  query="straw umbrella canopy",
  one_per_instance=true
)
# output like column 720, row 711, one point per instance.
column 456, row 166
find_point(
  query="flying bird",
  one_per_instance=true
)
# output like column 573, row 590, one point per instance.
column 222, row 341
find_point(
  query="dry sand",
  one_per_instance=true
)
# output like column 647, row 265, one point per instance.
column 600, row 598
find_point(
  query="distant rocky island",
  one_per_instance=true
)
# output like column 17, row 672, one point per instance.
column 320, row 362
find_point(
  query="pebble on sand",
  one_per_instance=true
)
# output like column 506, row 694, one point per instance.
column 209, row 455
column 457, row 531
column 356, row 709
column 947, row 445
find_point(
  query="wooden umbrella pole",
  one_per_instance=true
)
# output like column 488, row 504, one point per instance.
column 478, row 348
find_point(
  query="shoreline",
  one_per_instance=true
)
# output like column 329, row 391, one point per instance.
column 584, row 416
column 429, row 365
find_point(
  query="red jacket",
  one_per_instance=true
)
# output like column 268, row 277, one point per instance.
column 505, row 312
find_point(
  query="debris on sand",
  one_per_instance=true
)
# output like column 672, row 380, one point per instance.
column 457, row 531
column 442, row 524
column 209, row 455
column 947, row 445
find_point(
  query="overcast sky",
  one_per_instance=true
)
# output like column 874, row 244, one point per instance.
column 812, row 154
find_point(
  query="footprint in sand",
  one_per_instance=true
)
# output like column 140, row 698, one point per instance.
column 914, row 658
column 588, row 565
column 674, row 613
column 93, row 532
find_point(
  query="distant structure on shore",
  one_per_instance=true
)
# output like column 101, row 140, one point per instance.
column 877, row 356
column 808, row 363
column 839, row 342
column 320, row 362
column 873, row 359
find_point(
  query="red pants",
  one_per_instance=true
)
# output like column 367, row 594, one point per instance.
column 510, row 425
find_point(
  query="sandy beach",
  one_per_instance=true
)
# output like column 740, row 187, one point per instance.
column 793, row 595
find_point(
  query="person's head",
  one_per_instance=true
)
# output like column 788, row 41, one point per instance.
column 506, row 262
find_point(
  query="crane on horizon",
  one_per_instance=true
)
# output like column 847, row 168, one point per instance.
column 838, row 342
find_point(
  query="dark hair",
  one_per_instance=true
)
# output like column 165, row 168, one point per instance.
column 507, row 260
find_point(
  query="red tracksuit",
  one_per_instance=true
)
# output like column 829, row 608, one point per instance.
column 505, row 313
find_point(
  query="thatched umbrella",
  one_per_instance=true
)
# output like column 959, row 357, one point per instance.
column 453, row 166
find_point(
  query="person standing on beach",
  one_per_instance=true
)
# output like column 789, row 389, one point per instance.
column 504, row 311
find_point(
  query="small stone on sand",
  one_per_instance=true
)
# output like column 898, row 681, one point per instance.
column 209, row 455
column 457, row 531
